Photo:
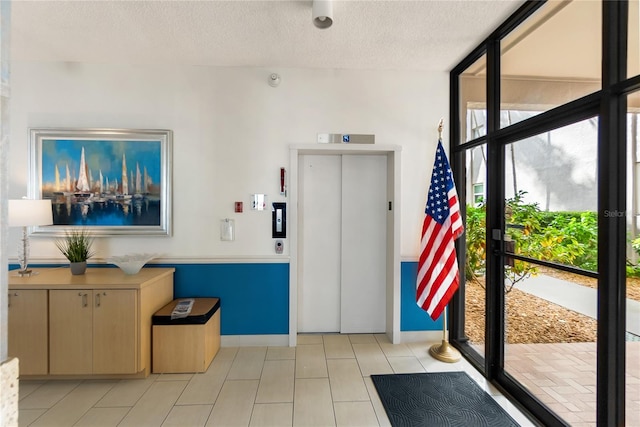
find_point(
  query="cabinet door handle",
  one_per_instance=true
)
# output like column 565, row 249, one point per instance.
column 84, row 299
column 98, row 300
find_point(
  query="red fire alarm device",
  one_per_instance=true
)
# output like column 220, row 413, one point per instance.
column 283, row 184
column 238, row 207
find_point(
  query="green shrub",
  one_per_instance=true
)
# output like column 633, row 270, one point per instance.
column 569, row 238
column 476, row 241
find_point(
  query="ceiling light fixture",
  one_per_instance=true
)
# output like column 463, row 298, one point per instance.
column 322, row 13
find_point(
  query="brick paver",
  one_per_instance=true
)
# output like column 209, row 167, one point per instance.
column 563, row 376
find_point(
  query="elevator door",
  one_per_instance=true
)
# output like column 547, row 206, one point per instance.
column 344, row 245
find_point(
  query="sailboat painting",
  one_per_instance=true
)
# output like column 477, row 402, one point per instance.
column 113, row 181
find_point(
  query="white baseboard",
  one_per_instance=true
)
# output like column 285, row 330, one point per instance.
column 420, row 336
column 283, row 340
column 254, row 340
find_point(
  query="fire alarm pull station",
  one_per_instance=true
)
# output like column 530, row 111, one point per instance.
column 283, row 184
column 279, row 220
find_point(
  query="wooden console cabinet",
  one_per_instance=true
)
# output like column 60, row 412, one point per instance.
column 28, row 330
column 93, row 325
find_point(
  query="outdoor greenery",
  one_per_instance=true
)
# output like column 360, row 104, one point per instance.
column 76, row 245
column 633, row 270
column 569, row 238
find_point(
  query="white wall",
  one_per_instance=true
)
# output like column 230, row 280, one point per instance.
column 232, row 133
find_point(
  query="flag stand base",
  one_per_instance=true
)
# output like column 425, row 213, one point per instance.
column 444, row 352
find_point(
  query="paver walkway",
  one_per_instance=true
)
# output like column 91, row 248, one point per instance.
column 581, row 299
column 563, row 375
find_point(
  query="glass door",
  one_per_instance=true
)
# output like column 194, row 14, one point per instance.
column 550, row 268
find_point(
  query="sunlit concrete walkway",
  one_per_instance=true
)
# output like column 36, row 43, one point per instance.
column 581, row 299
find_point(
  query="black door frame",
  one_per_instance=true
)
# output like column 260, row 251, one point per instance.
column 608, row 104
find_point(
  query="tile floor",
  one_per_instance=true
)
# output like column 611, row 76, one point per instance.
column 324, row 381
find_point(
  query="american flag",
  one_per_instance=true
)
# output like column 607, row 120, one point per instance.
column 438, row 275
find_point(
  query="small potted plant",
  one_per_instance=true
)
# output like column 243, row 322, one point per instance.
column 76, row 247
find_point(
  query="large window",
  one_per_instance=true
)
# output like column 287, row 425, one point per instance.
column 632, row 293
column 473, row 100
column 544, row 129
column 535, row 71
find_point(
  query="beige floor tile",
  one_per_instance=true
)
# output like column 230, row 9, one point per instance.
column 381, row 414
column 203, row 389
column 420, row 349
column 190, row 415
column 126, row 392
column 281, row 353
column 382, row 338
column 234, row 404
column 310, row 361
column 393, row 350
column 367, row 349
column 312, row 403
column 248, row 363
column 276, row 382
column 174, row 377
column 355, row 414
column 363, row 339
column 75, row 404
column 333, row 397
column 155, row 404
column 221, row 364
column 226, row 353
column 338, row 347
column 309, row 339
column 346, row 380
column 102, row 417
column 405, row 365
column 371, row 359
column 433, row 365
column 47, row 395
column 272, row 415
column 27, row 416
column 28, row 387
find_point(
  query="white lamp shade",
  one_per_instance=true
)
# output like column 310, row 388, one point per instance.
column 28, row 212
column 322, row 11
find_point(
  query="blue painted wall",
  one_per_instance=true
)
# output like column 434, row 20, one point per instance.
column 412, row 317
column 254, row 297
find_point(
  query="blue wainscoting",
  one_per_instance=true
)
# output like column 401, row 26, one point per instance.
column 412, row 317
column 254, row 297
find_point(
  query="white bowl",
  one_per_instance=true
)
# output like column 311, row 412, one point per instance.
column 131, row 263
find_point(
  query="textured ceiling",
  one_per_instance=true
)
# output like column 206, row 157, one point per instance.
column 409, row 35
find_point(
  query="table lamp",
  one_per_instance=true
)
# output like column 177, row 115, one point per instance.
column 26, row 213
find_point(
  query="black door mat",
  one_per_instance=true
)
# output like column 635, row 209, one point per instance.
column 444, row 399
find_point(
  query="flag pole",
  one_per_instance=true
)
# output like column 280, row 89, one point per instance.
column 444, row 352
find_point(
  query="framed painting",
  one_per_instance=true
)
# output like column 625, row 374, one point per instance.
column 112, row 181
